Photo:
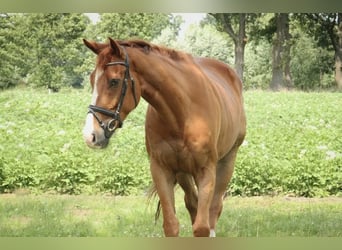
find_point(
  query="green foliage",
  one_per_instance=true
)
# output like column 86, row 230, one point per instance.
column 42, row 147
column 310, row 64
column 46, row 73
column 13, row 55
column 206, row 41
column 258, row 63
column 134, row 25
column 46, row 49
column 203, row 41
column 41, row 49
column 58, row 49
column 291, row 146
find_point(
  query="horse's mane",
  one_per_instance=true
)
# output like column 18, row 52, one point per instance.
column 148, row 47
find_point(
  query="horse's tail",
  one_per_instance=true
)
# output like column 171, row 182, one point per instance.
column 152, row 194
column 157, row 214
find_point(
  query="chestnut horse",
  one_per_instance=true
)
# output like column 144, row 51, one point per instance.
column 195, row 121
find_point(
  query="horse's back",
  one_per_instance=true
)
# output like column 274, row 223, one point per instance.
column 221, row 74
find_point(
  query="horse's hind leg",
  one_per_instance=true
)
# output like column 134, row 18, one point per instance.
column 190, row 198
column 164, row 182
column 224, row 172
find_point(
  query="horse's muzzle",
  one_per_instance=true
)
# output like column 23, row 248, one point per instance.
column 96, row 139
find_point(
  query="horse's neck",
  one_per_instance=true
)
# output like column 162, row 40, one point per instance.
column 164, row 89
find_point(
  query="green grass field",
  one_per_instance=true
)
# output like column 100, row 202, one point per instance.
column 292, row 149
column 108, row 216
column 293, row 146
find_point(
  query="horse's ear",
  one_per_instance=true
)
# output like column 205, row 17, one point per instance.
column 93, row 46
column 115, row 47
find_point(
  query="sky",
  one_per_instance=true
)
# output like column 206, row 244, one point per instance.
column 94, row 17
column 189, row 18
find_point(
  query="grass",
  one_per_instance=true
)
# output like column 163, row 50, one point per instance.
column 293, row 146
column 132, row 216
column 74, row 216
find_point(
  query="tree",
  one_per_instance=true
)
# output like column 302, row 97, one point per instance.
column 6, row 68
column 337, row 41
column 311, row 64
column 206, row 41
column 168, row 36
column 134, row 25
column 235, row 26
column 13, row 53
column 258, row 61
column 276, row 29
column 42, row 49
column 281, row 75
column 55, row 40
column 327, row 30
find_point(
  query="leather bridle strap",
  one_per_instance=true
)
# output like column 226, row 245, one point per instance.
column 116, row 121
column 127, row 74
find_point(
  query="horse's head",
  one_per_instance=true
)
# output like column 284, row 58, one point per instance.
column 114, row 93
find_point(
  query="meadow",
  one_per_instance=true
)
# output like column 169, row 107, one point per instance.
column 133, row 216
column 53, row 185
column 293, row 146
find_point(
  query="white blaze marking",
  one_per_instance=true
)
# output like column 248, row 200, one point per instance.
column 89, row 123
column 98, row 75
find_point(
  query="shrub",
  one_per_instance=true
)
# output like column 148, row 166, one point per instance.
column 291, row 146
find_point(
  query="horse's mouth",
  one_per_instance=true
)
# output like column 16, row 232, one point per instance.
column 97, row 142
column 100, row 145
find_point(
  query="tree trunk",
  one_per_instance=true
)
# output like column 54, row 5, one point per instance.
column 338, row 73
column 277, row 72
column 338, row 54
column 240, row 44
column 281, row 74
column 239, row 59
column 239, row 37
column 287, row 52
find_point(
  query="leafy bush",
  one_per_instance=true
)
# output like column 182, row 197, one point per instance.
column 292, row 146
column 258, row 65
column 310, row 65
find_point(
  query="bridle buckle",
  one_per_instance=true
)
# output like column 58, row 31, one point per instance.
column 113, row 125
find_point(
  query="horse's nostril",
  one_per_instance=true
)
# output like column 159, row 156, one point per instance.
column 94, row 138
column 90, row 139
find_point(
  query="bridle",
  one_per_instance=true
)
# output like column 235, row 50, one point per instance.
column 116, row 121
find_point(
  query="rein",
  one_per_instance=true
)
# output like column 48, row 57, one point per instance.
column 116, row 121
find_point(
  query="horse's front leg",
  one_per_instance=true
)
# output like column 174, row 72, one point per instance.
column 205, row 180
column 164, row 181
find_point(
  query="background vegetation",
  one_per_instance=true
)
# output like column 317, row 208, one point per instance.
column 131, row 216
column 292, row 146
column 268, row 50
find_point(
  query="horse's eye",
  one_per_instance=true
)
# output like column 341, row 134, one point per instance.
column 114, row 82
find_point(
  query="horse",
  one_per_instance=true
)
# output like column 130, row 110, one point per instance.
column 195, row 121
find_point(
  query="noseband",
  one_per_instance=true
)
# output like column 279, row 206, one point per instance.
column 116, row 121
